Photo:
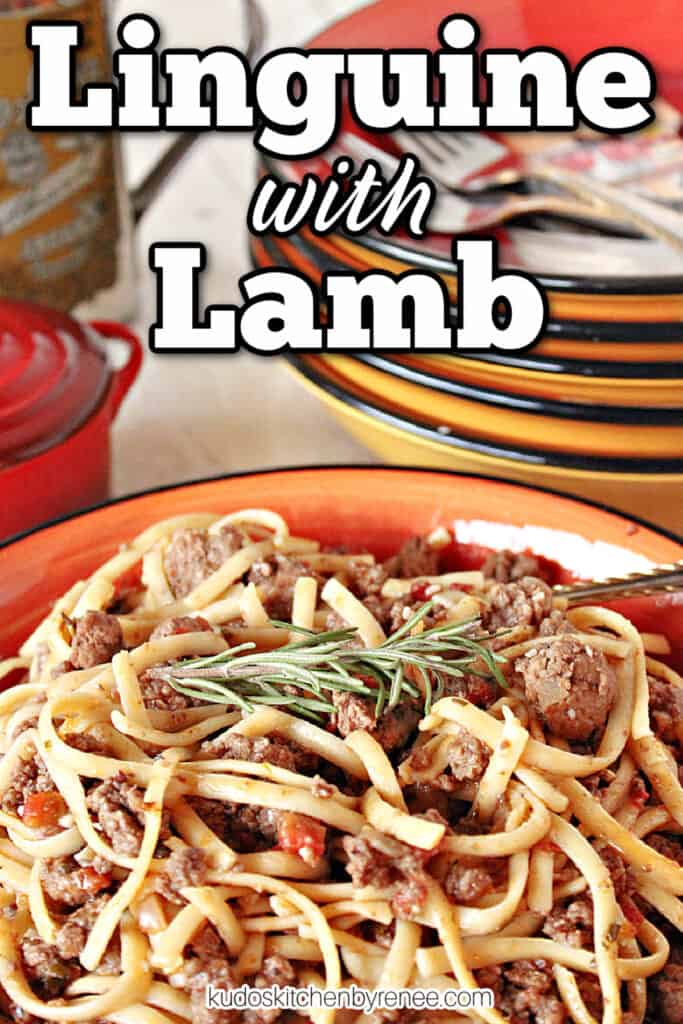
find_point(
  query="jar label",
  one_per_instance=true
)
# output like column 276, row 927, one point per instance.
column 59, row 222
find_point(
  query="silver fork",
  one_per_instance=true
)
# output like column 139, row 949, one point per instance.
column 453, row 158
column 456, row 212
column 660, row 579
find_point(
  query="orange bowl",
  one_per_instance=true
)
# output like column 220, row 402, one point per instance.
column 362, row 507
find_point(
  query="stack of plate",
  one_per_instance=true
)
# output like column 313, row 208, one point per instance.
column 596, row 407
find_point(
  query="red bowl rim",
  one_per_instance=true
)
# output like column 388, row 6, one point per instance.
column 355, row 467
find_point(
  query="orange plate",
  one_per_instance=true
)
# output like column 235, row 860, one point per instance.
column 510, row 427
column 635, row 307
column 632, row 308
column 559, row 348
column 561, row 387
column 363, row 507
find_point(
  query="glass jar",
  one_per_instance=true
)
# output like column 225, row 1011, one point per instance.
column 66, row 219
column 65, row 224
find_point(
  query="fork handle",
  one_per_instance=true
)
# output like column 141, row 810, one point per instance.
column 649, row 217
column 576, row 208
column 662, row 579
column 565, row 206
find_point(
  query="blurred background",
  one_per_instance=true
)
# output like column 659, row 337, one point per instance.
column 197, row 414
column 594, row 409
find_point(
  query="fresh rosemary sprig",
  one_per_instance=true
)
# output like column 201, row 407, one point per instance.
column 301, row 675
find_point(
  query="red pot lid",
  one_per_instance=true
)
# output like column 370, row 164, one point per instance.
column 52, row 376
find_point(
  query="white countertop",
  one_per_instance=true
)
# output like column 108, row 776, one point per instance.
column 187, row 416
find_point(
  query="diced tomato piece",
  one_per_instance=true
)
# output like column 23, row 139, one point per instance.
column 480, row 691
column 129, row 581
column 638, row 793
column 419, row 591
column 92, row 881
column 43, row 810
column 301, row 836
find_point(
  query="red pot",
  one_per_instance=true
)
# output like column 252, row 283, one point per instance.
column 59, row 394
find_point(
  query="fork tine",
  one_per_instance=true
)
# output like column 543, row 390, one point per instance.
column 451, row 212
column 453, row 144
column 361, row 149
column 452, row 157
column 439, row 154
column 432, row 146
column 419, row 143
column 431, row 157
column 465, row 139
column 442, row 145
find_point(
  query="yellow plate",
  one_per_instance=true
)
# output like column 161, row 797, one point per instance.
column 509, row 427
column 657, row 497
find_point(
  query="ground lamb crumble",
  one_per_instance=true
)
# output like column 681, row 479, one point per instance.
column 392, row 730
column 187, row 866
column 523, row 603
column 378, row 860
column 571, row 686
column 193, row 555
column 119, row 808
column 274, row 749
column 97, row 638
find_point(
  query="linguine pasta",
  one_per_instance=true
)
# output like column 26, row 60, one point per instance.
column 230, row 757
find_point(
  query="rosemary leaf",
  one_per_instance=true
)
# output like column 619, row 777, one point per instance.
column 396, row 686
column 302, row 673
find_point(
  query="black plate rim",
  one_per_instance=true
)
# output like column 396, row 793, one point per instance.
column 614, row 414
